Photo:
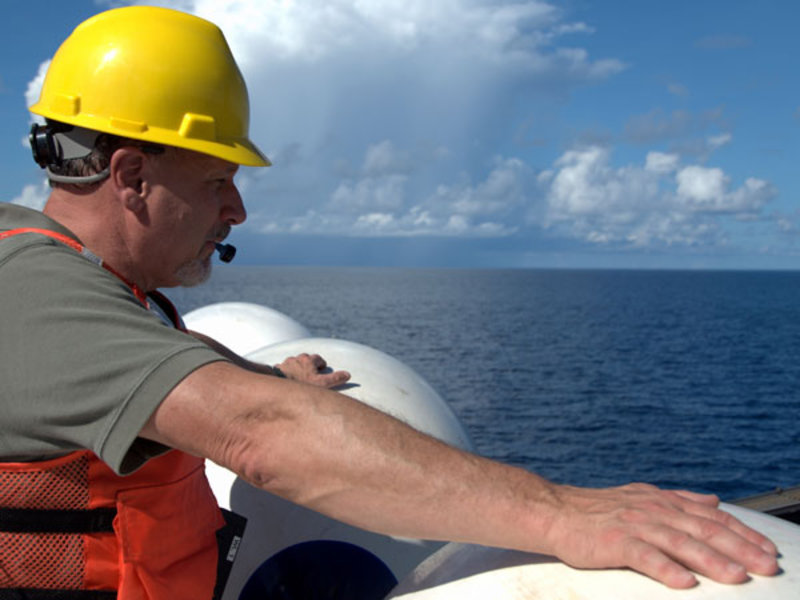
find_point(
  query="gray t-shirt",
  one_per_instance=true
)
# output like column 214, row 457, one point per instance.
column 83, row 364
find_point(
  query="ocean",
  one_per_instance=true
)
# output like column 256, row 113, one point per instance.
column 684, row 379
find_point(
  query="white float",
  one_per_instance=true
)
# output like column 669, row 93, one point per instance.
column 244, row 327
column 275, row 525
column 465, row 572
column 381, row 381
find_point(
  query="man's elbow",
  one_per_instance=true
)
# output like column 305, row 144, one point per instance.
column 260, row 456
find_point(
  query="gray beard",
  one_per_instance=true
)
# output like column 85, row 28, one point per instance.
column 194, row 272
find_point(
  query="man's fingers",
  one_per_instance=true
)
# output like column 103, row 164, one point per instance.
column 698, row 555
column 650, row 561
column 709, row 499
column 751, row 535
column 334, row 379
column 671, row 556
column 729, row 521
column 314, row 360
column 319, row 362
column 709, row 546
column 668, row 536
column 728, row 536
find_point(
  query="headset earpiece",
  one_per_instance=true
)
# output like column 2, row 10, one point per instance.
column 43, row 146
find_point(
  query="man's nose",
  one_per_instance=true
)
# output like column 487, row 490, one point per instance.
column 233, row 211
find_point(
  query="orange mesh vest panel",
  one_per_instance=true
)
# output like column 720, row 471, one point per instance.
column 161, row 543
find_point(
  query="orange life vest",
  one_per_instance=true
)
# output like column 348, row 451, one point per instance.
column 72, row 529
column 71, row 523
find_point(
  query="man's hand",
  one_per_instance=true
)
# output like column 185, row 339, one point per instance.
column 663, row 534
column 312, row 368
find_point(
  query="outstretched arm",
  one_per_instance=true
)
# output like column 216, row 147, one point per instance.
column 340, row 457
column 308, row 368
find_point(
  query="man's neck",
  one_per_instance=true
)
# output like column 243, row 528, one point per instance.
column 98, row 226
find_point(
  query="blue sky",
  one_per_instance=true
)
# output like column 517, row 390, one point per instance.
column 475, row 133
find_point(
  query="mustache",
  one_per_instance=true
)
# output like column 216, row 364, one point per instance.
column 222, row 232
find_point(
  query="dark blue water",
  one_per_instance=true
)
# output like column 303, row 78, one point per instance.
column 684, row 379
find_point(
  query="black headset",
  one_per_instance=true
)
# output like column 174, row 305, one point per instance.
column 43, row 145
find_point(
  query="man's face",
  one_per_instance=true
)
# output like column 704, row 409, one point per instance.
column 194, row 205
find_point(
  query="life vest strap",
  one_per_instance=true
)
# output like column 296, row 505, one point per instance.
column 38, row 520
column 30, row 594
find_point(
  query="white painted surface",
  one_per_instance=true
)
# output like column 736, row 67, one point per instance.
column 244, row 327
column 464, row 572
column 381, row 381
column 377, row 379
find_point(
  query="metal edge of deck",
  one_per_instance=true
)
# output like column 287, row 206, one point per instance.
column 783, row 503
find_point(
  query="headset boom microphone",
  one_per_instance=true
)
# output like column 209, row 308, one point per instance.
column 226, row 252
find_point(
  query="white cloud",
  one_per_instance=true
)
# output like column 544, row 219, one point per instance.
column 372, row 107
column 660, row 162
column 383, row 158
column 708, row 189
column 383, row 119
column 375, row 222
column 33, row 196
column 381, row 205
column 500, row 194
column 584, row 183
column 386, row 192
column 718, row 141
column 659, row 203
column 789, row 224
column 700, row 185
column 34, row 88
column 316, row 30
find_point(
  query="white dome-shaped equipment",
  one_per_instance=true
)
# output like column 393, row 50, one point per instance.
column 244, row 327
column 288, row 546
column 381, row 381
column 470, row 572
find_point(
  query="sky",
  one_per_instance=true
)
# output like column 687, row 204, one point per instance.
column 490, row 133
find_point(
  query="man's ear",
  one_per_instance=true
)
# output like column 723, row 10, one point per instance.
column 128, row 177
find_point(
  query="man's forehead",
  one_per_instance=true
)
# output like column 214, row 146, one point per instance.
column 206, row 163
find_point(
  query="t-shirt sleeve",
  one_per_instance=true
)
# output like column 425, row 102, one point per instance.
column 83, row 364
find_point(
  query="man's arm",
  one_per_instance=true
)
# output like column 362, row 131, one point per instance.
column 308, row 368
column 340, row 457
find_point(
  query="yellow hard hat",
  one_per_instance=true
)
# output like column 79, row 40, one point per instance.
column 152, row 74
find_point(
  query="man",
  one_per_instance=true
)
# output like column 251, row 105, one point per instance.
column 147, row 124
